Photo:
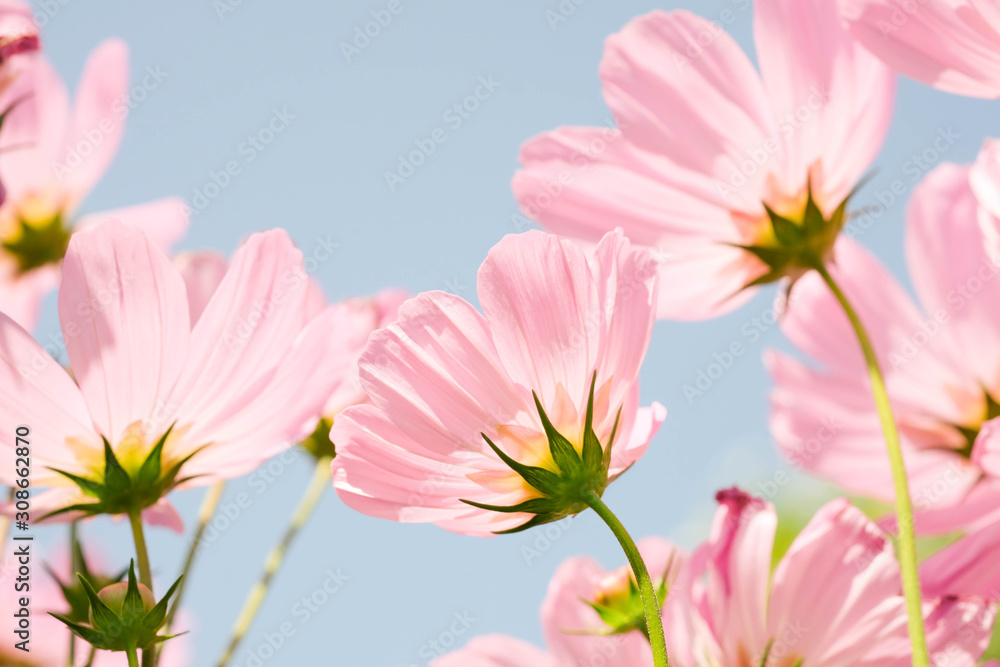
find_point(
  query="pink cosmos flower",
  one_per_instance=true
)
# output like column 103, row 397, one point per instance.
column 941, row 358
column 443, row 378
column 248, row 380
column 705, row 145
column 953, row 45
column 355, row 319
column 832, row 601
column 574, row 630
column 51, row 157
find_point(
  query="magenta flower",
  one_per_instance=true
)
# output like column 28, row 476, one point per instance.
column 50, row 160
column 941, row 358
column 953, row 45
column 832, row 601
column 154, row 402
column 18, row 35
column 465, row 405
column 712, row 163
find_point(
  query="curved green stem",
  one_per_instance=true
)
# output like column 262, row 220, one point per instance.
column 654, row 622
column 133, row 659
column 145, row 574
column 904, row 507
column 320, row 480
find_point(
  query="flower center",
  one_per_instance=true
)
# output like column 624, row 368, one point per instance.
column 37, row 235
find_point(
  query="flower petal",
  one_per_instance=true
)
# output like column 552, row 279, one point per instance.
column 496, row 651
column 834, row 97
column 124, row 314
column 950, row 44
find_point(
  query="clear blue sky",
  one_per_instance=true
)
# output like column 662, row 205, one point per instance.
column 230, row 67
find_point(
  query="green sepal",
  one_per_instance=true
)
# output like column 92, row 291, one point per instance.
column 786, row 231
column 133, row 606
column 563, row 452
column 154, row 619
column 120, row 492
column 104, row 616
column 116, row 479
column 532, row 506
column 150, row 470
column 539, row 478
column 593, row 456
column 89, row 635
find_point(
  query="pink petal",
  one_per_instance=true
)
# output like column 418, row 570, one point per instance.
column 581, row 182
column 125, row 318
column 837, row 589
column 163, row 221
column 736, row 565
column 985, row 177
column 202, row 273
column 953, row 274
column 164, row 515
column 383, row 472
column 951, row 45
column 556, row 317
column 834, row 98
column 98, row 125
column 659, row 79
column 496, row 651
column 281, row 413
column 248, row 326
column 35, row 132
column 36, row 392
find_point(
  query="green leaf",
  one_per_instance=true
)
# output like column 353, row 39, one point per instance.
column 613, row 617
column 116, row 479
column 592, row 453
column 104, row 617
column 563, row 452
column 544, row 480
column 150, row 470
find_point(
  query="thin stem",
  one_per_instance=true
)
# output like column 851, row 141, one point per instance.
column 145, row 575
column 205, row 512
column 142, row 555
column 904, row 507
column 133, row 659
column 75, row 566
column 654, row 622
column 320, row 480
column 90, row 658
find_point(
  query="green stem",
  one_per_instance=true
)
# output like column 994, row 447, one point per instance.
column 654, row 622
column 145, row 575
column 320, row 480
column 133, row 659
column 904, row 507
column 75, row 566
column 205, row 512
